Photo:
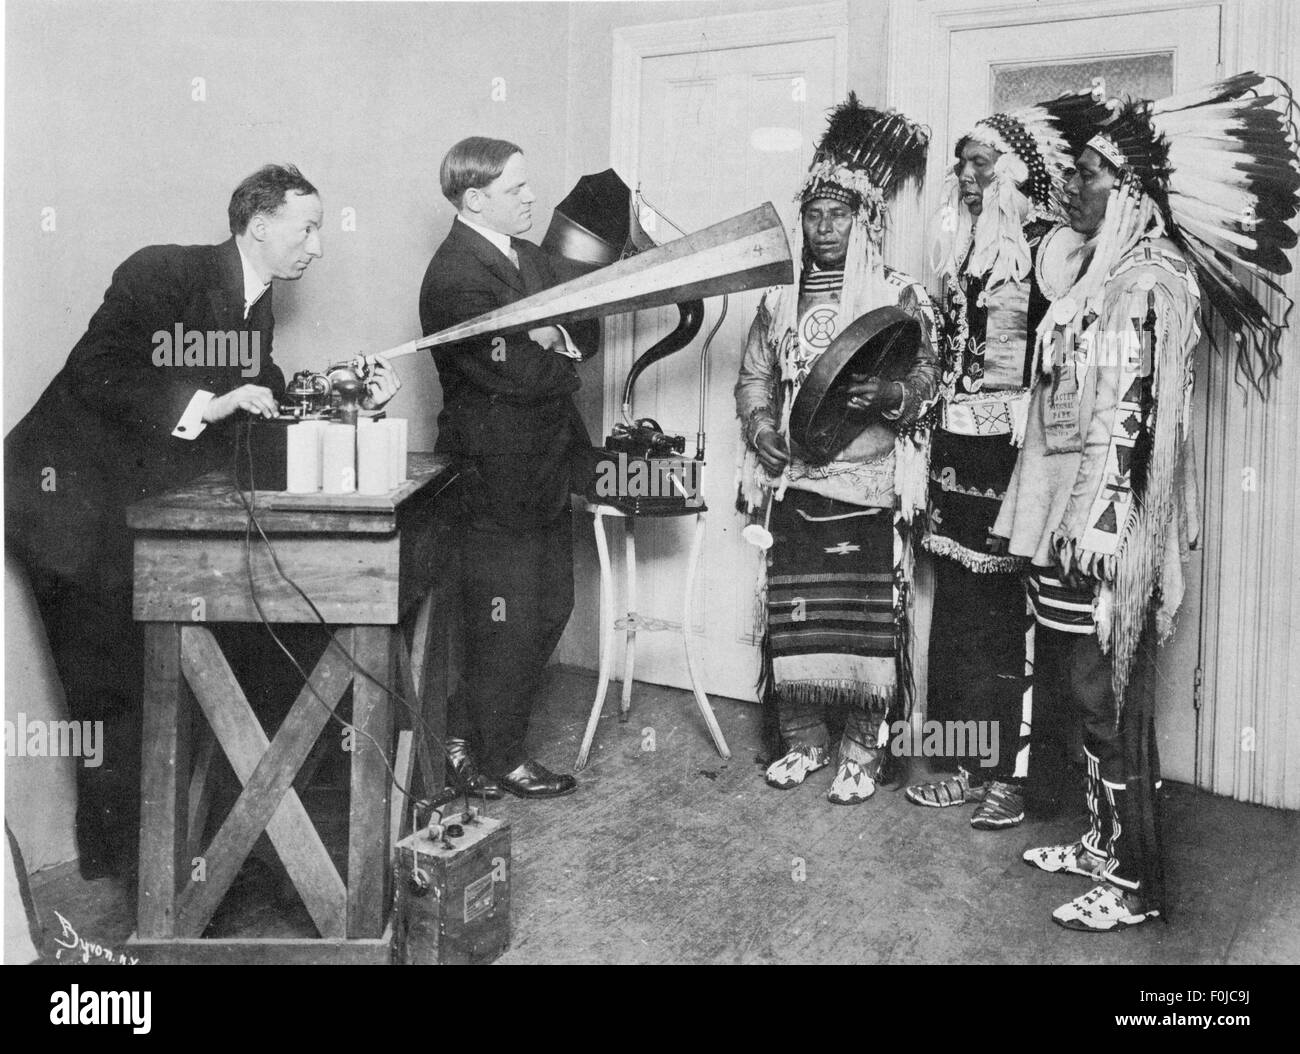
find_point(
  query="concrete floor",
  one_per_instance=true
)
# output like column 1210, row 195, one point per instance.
column 678, row 856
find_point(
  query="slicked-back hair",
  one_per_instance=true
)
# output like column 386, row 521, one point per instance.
column 473, row 163
column 264, row 191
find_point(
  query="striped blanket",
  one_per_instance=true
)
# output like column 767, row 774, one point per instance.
column 831, row 603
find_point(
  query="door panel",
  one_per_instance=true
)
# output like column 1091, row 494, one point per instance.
column 720, row 132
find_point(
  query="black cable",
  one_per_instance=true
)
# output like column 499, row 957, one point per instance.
column 250, row 508
column 332, row 639
column 320, row 619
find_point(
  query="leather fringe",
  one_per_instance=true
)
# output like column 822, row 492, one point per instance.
column 1141, row 546
column 877, row 698
column 980, row 563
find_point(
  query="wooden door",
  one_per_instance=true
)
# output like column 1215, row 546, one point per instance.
column 719, row 130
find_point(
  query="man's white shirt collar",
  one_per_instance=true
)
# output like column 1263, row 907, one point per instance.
column 254, row 287
column 501, row 241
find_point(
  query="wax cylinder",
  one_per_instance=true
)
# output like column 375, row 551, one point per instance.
column 374, row 461
column 303, row 444
column 339, row 459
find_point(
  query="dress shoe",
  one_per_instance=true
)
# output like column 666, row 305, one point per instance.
column 532, row 779
column 465, row 773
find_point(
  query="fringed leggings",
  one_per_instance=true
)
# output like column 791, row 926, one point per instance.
column 1072, row 681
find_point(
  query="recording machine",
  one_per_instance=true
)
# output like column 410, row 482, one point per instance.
column 641, row 470
column 334, row 395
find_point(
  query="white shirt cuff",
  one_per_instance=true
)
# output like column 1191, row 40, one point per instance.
column 570, row 349
column 191, row 424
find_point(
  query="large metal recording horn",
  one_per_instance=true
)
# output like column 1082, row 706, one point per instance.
column 596, row 225
column 745, row 252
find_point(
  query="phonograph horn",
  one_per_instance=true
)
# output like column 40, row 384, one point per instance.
column 749, row 251
column 595, row 225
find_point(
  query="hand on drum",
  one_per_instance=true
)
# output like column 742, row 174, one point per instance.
column 868, row 392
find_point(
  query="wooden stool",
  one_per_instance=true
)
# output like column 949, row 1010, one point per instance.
column 632, row 622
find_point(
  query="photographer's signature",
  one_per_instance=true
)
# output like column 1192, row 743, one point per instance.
column 70, row 942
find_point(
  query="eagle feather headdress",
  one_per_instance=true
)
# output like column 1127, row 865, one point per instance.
column 863, row 159
column 1222, row 165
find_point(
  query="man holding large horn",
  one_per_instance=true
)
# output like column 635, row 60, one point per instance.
column 837, row 569
column 509, row 419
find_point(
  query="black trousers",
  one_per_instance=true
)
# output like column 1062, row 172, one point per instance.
column 99, row 656
column 517, row 595
column 1067, row 666
column 977, row 657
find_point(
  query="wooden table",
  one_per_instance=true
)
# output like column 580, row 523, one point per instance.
column 377, row 569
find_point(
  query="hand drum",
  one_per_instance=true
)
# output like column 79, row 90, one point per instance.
column 883, row 343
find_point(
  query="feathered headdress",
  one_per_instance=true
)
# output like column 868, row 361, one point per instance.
column 863, row 158
column 1222, row 167
column 1036, row 148
column 1045, row 139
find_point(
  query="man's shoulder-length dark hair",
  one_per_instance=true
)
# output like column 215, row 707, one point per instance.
column 473, row 163
column 264, row 191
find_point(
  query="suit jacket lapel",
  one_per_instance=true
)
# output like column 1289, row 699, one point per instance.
column 261, row 318
column 489, row 255
column 533, row 279
column 226, row 295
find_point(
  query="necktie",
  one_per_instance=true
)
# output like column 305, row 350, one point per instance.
column 514, row 256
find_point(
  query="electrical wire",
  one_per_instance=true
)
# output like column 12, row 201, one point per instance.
column 249, row 507
column 249, row 503
column 324, row 624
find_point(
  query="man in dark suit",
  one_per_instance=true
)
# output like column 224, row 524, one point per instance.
column 145, row 403
column 508, row 417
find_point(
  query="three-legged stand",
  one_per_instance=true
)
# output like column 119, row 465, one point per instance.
column 632, row 622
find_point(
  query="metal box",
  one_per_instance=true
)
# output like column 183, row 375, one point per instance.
column 262, row 453
column 453, row 896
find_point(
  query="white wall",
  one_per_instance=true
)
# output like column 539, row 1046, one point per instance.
column 101, row 126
